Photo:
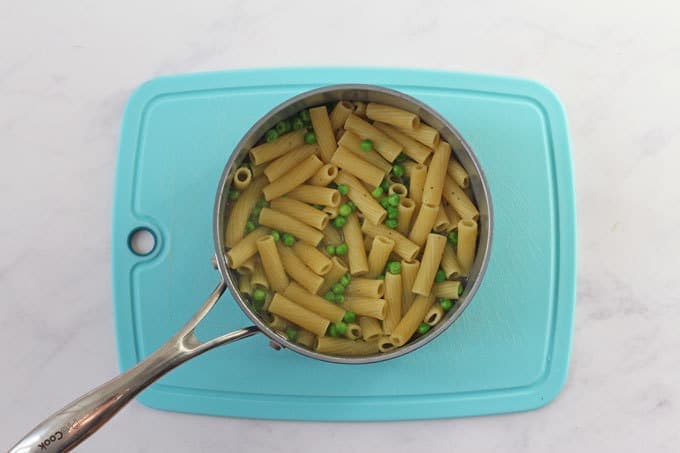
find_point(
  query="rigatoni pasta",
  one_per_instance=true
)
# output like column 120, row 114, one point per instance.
column 352, row 232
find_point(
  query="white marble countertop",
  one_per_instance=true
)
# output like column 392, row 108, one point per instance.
column 67, row 68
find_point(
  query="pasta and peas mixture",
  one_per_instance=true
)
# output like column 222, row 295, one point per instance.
column 351, row 228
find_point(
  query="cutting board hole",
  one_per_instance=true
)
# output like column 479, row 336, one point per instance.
column 142, row 241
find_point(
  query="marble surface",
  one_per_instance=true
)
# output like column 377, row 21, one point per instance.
column 66, row 69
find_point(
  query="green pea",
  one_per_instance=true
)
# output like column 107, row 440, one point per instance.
column 337, row 288
column 233, row 194
column 349, row 317
column 288, row 239
column 393, row 199
column 381, row 277
column 352, row 205
column 255, row 213
column 366, row 145
column 261, row 203
column 339, row 221
column 271, row 135
column 385, row 184
column 446, row 304
column 250, row 226
column 298, row 124
column 339, row 298
column 392, row 212
column 398, row 170
column 394, row 267
column 332, row 330
column 341, row 249
column 345, row 279
column 377, row 192
column 329, row 296
column 318, row 206
column 310, row 138
column 258, row 305
column 344, row 210
column 460, row 289
column 453, row 237
column 423, row 328
column 385, row 203
column 343, row 189
column 391, row 223
column 400, row 158
column 305, row 116
column 330, row 249
column 259, row 295
column 276, row 235
column 291, row 334
column 440, row 276
column 340, row 328
column 283, row 126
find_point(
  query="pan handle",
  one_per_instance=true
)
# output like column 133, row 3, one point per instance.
column 75, row 422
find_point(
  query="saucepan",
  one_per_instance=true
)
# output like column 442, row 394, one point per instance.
column 78, row 420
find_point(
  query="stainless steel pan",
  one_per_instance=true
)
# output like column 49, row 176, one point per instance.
column 76, row 421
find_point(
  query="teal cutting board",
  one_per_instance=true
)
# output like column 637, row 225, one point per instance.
column 508, row 352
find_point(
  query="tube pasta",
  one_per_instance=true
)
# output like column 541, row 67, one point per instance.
column 312, row 257
column 467, row 243
column 365, row 203
column 298, row 315
column 297, row 270
column 325, row 136
column 348, row 161
column 393, row 290
column 371, row 328
column 453, row 217
column 316, row 195
column 340, row 113
column 271, row 263
column 242, row 178
column 236, row 224
column 270, row 151
column 425, row 134
column 359, row 108
column 432, row 256
column 406, row 208
column 301, row 212
column 409, row 270
column 417, row 182
column 388, row 148
column 385, row 344
column 352, row 142
column 455, row 196
column 305, row 170
column 278, row 323
column 434, row 315
column 312, row 302
column 258, row 277
column 397, row 188
column 245, row 249
column 366, row 306
column 258, row 170
column 449, row 262
column 447, row 289
column 283, row 222
column 392, row 115
column 423, row 224
column 412, row 148
column 324, row 176
column 441, row 223
column 402, row 246
column 436, row 174
column 306, row 338
column 331, row 236
column 289, row 161
column 366, row 287
column 381, row 248
column 411, row 320
column 331, row 212
column 458, row 174
column 356, row 255
column 344, row 347
column 244, row 285
column 353, row 331
column 247, row 267
column 338, row 269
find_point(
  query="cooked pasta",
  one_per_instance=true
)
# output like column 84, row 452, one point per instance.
column 324, row 132
column 300, row 211
column 242, row 177
column 351, row 228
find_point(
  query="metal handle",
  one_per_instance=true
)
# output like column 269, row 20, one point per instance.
column 75, row 422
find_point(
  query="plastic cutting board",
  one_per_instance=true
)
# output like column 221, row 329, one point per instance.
column 508, row 352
